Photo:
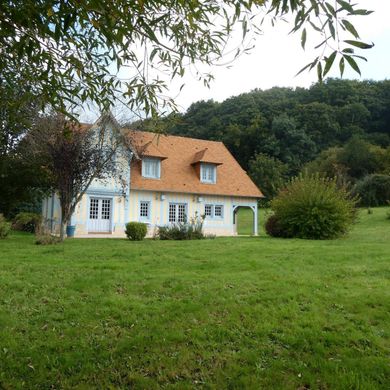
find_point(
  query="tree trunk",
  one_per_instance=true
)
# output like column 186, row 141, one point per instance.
column 64, row 223
column 62, row 230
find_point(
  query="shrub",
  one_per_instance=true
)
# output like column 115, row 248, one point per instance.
column 274, row 228
column 5, row 227
column 136, row 231
column 314, row 207
column 27, row 222
column 373, row 190
column 192, row 230
column 47, row 239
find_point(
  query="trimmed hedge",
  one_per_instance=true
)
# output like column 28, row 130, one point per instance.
column 313, row 207
column 136, row 231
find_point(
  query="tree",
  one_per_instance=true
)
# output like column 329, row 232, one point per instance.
column 19, row 179
column 75, row 156
column 296, row 147
column 268, row 173
column 76, row 51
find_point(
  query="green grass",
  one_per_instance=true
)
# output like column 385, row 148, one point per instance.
column 229, row 313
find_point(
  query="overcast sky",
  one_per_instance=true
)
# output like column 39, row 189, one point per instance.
column 277, row 57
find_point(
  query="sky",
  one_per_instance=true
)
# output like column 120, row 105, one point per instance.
column 278, row 56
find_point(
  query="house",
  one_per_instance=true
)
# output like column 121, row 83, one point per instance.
column 168, row 179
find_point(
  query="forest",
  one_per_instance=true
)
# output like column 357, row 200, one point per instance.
column 337, row 128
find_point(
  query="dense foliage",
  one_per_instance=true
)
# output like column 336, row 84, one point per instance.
column 264, row 129
column 5, row 227
column 136, row 231
column 27, row 222
column 373, row 190
column 67, row 49
column 313, row 207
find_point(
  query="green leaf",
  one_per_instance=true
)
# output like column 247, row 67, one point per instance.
column 329, row 62
column 345, row 5
column 352, row 63
column 360, row 45
column 350, row 27
column 342, row 66
column 319, row 71
column 303, row 38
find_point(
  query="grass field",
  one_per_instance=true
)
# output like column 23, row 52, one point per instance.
column 229, row 313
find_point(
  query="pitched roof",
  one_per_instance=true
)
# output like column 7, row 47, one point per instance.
column 178, row 173
column 205, row 156
column 150, row 149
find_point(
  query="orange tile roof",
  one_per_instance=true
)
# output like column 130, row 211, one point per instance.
column 178, row 174
column 205, row 156
column 151, row 150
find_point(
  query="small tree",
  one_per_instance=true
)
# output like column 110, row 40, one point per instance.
column 75, row 155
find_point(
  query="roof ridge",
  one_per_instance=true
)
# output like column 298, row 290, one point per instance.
column 173, row 135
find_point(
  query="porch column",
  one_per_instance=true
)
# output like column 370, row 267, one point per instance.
column 255, row 212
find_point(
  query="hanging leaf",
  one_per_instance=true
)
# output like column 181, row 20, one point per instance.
column 350, row 27
column 360, row 45
column 352, row 63
column 329, row 62
column 303, row 38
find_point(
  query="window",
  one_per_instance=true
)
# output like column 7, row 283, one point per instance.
column 106, row 208
column 144, row 210
column 208, row 173
column 208, row 210
column 218, row 211
column 151, row 168
column 177, row 212
column 94, row 209
column 213, row 211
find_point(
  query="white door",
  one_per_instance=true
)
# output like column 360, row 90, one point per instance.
column 99, row 215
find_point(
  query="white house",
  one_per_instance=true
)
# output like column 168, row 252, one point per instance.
column 168, row 179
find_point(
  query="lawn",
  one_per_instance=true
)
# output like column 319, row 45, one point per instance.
column 228, row 313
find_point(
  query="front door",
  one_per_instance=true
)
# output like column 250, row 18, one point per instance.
column 99, row 215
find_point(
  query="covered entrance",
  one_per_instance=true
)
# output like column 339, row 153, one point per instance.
column 100, row 215
column 245, row 219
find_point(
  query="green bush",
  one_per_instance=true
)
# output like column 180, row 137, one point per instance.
column 373, row 190
column 274, row 228
column 314, row 207
column 5, row 227
column 136, row 231
column 27, row 222
column 192, row 230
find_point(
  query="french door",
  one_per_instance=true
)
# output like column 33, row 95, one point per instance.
column 100, row 211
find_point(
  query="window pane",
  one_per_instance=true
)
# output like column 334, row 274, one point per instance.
column 94, row 209
column 144, row 209
column 218, row 210
column 208, row 173
column 106, row 208
column 151, row 167
column 207, row 210
column 181, row 213
column 172, row 213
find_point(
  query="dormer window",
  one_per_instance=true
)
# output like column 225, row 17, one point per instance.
column 208, row 173
column 151, row 167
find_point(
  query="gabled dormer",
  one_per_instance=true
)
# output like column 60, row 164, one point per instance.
column 151, row 158
column 205, row 165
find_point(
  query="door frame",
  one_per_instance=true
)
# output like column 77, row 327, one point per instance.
column 89, row 196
